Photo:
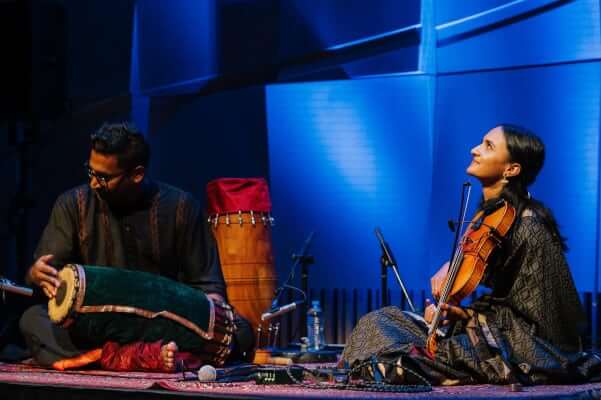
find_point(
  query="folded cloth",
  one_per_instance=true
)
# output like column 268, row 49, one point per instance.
column 137, row 356
column 141, row 356
column 77, row 362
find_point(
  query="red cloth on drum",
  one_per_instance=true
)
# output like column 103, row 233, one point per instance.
column 141, row 356
column 230, row 195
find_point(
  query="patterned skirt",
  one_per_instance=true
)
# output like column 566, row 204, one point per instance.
column 476, row 351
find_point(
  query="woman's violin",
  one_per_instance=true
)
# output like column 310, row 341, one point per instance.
column 484, row 234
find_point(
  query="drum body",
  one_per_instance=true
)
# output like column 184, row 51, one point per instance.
column 245, row 252
column 239, row 213
column 100, row 304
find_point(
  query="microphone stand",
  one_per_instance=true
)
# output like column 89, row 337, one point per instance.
column 304, row 261
column 384, row 280
column 387, row 260
column 298, row 258
column 265, row 355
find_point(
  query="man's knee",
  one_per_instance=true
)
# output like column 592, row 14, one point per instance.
column 32, row 319
column 46, row 341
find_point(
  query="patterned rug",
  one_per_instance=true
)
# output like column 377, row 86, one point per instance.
column 172, row 382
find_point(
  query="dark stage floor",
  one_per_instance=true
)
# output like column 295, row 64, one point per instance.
column 18, row 381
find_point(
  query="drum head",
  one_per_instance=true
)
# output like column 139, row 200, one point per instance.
column 60, row 306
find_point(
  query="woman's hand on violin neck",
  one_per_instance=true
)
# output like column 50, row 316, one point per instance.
column 448, row 313
column 438, row 279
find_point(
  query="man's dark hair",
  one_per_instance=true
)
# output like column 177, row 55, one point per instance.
column 124, row 141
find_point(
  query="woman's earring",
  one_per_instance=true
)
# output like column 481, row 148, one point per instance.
column 504, row 181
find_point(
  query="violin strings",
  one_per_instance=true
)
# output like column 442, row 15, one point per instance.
column 454, row 266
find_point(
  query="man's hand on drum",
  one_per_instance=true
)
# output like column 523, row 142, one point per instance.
column 449, row 313
column 44, row 275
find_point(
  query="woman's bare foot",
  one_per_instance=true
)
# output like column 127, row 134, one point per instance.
column 168, row 355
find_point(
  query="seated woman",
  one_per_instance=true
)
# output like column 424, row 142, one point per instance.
column 528, row 329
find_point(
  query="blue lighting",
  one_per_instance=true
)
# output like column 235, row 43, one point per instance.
column 341, row 165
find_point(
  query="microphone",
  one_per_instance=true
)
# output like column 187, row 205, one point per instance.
column 307, row 244
column 207, row 373
column 9, row 286
column 387, row 252
column 280, row 310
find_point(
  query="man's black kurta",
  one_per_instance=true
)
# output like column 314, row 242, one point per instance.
column 165, row 233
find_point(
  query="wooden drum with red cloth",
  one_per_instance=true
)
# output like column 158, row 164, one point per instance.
column 239, row 214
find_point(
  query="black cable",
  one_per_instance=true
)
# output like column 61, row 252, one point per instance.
column 364, row 386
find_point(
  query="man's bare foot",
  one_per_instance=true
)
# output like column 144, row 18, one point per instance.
column 168, row 356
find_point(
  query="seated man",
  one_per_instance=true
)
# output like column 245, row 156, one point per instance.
column 123, row 219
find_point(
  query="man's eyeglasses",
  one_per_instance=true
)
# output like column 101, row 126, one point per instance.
column 103, row 179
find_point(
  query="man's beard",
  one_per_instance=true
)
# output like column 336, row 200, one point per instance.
column 111, row 198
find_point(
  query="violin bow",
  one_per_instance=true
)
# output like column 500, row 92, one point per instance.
column 456, row 254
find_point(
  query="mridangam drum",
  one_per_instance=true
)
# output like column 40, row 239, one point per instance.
column 113, row 304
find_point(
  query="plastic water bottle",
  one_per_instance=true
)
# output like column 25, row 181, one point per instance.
column 315, row 327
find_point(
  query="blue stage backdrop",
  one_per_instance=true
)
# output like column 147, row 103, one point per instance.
column 313, row 26
column 346, row 157
column 516, row 33
column 561, row 104
column 391, row 150
column 197, row 142
column 174, row 44
column 533, row 63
